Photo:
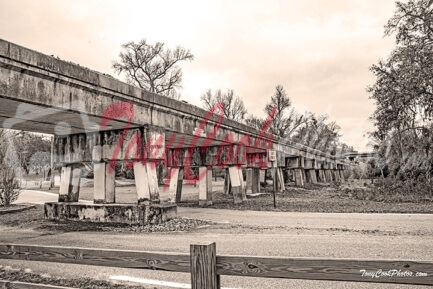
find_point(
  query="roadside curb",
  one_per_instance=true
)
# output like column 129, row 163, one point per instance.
column 23, row 207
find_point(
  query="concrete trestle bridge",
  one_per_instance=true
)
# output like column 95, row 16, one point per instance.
column 96, row 118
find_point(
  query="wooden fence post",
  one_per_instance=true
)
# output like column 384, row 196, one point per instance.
column 203, row 266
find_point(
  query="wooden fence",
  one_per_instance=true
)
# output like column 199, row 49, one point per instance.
column 206, row 267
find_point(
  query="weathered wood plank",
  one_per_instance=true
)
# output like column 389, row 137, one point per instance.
column 268, row 267
column 203, row 266
column 324, row 269
column 4, row 284
column 105, row 257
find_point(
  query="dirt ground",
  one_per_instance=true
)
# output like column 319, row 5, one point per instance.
column 330, row 198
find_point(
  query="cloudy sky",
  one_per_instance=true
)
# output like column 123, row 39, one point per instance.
column 319, row 50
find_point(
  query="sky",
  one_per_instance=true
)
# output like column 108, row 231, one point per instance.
column 319, row 50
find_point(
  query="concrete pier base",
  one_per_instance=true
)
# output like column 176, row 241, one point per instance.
column 111, row 213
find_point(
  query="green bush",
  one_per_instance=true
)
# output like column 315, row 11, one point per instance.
column 404, row 190
column 9, row 187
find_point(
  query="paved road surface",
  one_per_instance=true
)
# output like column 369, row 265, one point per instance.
column 37, row 197
column 369, row 236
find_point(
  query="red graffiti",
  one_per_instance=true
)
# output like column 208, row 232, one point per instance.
column 114, row 111
column 149, row 153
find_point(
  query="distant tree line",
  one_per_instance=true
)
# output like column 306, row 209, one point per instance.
column 403, row 93
column 295, row 128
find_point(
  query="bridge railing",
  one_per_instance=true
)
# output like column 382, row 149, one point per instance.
column 206, row 267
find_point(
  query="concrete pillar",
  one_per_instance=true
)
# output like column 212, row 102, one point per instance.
column 179, row 185
column 316, row 171
column 141, row 183
column 341, row 175
column 322, row 177
column 174, row 183
column 146, row 182
column 299, row 177
column 304, row 175
column 69, row 184
column 205, row 187
column 328, row 175
column 243, row 184
column 153, row 182
column 262, row 176
column 103, row 184
column 256, row 181
column 311, row 176
column 249, row 184
column 336, row 175
column 236, row 185
column 227, row 183
column 331, row 176
column 65, row 180
column 280, row 178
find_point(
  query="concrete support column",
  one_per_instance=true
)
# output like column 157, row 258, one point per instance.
column 175, row 187
column 237, row 188
column 255, row 181
column 262, row 176
column 205, row 187
column 304, row 175
column 336, row 175
column 311, row 176
column 153, row 182
column 299, row 177
column 341, row 172
column 316, row 171
column 179, row 185
column 328, row 175
column 322, row 177
column 69, row 184
column 227, row 183
column 243, row 184
column 249, row 189
column 146, row 182
column 280, row 179
column 103, row 184
column 141, row 183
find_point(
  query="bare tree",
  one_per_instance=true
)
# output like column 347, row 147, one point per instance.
column 234, row 107
column 280, row 102
column 152, row 67
column 254, row 121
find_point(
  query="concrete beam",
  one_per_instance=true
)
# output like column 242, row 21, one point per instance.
column 309, row 163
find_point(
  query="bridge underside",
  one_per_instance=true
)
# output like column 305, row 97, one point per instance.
column 96, row 118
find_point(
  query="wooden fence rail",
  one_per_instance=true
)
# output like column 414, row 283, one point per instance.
column 206, row 267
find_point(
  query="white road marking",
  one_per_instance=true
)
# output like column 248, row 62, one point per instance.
column 155, row 282
column 150, row 281
column 39, row 192
column 52, row 194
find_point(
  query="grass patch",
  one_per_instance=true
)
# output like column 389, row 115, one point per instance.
column 34, row 219
column 13, row 274
column 332, row 198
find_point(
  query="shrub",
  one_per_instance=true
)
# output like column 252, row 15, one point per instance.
column 9, row 187
column 404, row 190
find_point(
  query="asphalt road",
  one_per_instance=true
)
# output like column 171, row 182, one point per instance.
column 357, row 236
